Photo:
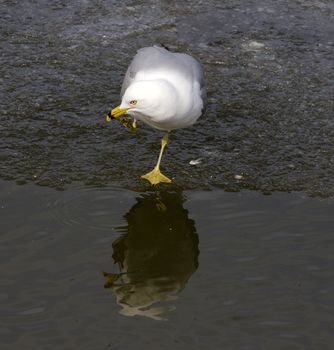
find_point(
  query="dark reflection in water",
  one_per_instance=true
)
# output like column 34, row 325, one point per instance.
column 157, row 253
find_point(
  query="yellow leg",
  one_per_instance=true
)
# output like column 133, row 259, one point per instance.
column 155, row 176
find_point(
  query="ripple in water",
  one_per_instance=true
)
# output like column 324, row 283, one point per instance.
column 86, row 207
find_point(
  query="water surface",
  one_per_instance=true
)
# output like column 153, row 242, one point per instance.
column 111, row 268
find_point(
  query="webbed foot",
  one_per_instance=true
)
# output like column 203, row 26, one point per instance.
column 155, row 176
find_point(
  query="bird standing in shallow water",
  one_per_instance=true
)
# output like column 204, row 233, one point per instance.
column 165, row 90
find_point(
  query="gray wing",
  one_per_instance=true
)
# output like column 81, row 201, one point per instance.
column 145, row 58
column 199, row 76
column 128, row 79
column 197, row 73
column 155, row 57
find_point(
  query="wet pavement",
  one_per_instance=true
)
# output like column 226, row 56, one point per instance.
column 269, row 68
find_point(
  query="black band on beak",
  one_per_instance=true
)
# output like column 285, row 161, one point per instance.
column 111, row 116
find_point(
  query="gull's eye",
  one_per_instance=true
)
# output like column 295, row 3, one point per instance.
column 133, row 102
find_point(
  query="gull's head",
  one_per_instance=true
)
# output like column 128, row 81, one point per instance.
column 148, row 98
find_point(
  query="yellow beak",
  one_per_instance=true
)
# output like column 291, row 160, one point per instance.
column 116, row 113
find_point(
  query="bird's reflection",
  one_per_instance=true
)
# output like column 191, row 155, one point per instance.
column 157, row 253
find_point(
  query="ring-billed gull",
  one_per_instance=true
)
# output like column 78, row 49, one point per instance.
column 165, row 90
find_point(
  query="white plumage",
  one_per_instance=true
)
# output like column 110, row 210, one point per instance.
column 169, row 88
column 165, row 90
